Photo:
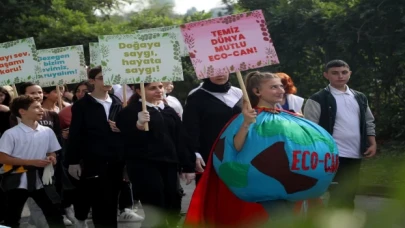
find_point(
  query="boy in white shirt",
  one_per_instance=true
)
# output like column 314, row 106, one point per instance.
column 345, row 114
column 25, row 150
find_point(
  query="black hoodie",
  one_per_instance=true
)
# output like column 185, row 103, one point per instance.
column 163, row 142
column 91, row 139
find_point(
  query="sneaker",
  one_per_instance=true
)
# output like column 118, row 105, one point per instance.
column 66, row 221
column 70, row 214
column 129, row 216
column 81, row 224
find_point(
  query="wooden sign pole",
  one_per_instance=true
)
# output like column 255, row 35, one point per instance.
column 59, row 97
column 124, row 95
column 15, row 94
column 146, row 126
column 243, row 88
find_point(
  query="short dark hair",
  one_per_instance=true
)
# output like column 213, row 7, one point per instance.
column 24, row 86
column 94, row 71
column 336, row 63
column 21, row 102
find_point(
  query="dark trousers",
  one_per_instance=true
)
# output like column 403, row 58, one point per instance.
column 76, row 198
column 68, row 197
column 2, row 203
column 15, row 204
column 64, row 183
column 101, row 194
column 125, row 200
column 156, row 185
column 342, row 194
column 125, row 197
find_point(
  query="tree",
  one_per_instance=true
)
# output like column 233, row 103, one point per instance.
column 368, row 34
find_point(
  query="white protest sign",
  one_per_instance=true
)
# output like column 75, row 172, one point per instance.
column 94, row 54
column 136, row 58
column 171, row 29
column 18, row 62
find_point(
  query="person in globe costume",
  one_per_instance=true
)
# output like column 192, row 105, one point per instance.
column 262, row 167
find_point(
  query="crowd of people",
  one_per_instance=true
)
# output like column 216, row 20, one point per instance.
column 109, row 160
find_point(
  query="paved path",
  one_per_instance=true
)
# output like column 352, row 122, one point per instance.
column 367, row 203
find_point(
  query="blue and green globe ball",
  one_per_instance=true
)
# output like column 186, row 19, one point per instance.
column 284, row 157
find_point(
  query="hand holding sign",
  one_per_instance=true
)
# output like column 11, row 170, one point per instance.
column 143, row 119
column 140, row 58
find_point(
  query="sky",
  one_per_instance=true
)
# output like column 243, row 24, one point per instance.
column 181, row 6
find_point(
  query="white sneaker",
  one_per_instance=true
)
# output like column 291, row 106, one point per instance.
column 80, row 224
column 129, row 216
column 66, row 221
column 70, row 214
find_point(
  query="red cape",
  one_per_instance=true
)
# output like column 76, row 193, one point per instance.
column 213, row 205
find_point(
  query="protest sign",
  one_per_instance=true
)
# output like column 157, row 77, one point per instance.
column 136, row 58
column 63, row 65
column 18, row 61
column 229, row 44
column 94, row 54
column 171, row 29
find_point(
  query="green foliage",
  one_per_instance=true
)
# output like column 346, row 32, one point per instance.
column 386, row 168
column 368, row 34
column 59, row 23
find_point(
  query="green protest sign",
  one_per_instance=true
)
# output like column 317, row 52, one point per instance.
column 171, row 29
column 136, row 58
column 63, row 65
column 94, row 54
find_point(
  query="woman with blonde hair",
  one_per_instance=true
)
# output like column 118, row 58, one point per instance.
column 290, row 102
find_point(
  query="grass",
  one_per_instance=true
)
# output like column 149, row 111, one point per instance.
column 386, row 168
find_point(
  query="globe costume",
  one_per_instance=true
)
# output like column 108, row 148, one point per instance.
column 284, row 157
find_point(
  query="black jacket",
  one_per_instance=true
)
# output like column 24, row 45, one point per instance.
column 204, row 118
column 90, row 136
column 163, row 142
